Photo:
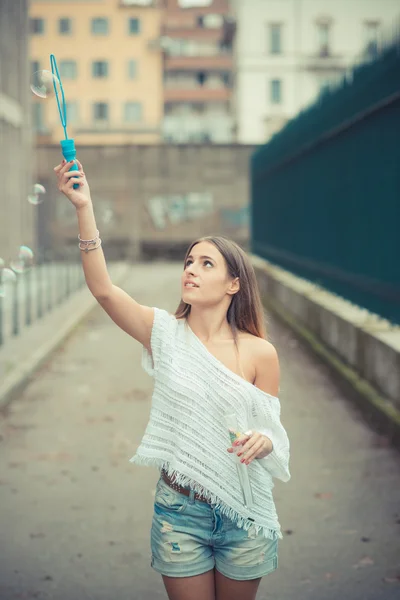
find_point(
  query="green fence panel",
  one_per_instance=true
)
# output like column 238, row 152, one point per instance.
column 326, row 190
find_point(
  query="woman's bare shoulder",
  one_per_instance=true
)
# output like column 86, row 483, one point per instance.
column 263, row 358
column 260, row 346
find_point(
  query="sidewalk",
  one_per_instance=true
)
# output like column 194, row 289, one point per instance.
column 78, row 514
column 22, row 355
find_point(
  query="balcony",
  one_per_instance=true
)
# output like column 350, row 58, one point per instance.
column 191, row 127
column 138, row 3
column 323, row 60
column 219, row 62
column 117, row 127
column 197, row 94
column 194, row 33
column 180, row 14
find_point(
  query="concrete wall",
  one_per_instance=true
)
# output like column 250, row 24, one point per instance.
column 151, row 199
column 16, row 214
column 362, row 349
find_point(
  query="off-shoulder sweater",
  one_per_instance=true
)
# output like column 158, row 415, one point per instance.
column 187, row 436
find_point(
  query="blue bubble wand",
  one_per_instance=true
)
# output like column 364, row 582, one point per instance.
column 67, row 145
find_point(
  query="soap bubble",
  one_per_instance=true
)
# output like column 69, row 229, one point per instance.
column 37, row 196
column 7, row 277
column 107, row 215
column 38, row 188
column 35, row 199
column 24, row 260
column 43, row 83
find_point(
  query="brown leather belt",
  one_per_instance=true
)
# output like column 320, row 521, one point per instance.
column 178, row 488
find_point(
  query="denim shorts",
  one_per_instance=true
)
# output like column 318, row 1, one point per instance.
column 190, row 537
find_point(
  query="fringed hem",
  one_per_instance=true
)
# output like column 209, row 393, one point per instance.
column 230, row 513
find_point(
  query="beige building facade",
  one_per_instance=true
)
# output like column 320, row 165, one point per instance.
column 110, row 63
column 288, row 52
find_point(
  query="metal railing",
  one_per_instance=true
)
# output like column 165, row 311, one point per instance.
column 36, row 292
column 325, row 190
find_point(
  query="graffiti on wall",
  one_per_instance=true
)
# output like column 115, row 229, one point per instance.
column 235, row 217
column 173, row 209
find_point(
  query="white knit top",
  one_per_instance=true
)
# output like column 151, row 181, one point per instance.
column 187, row 434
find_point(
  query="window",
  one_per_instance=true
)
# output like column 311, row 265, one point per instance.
column 227, row 79
column 100, row 69
column 37, row 26
column 201, row 78
column 323, row 30
column 68, row 69
column 132, row 69
column 132, row 112
column 64, row 26
column 100, row 111
column 275, row 38
column 371, row 34
column 276, row 91
column 212, row 21
column 134, row 26
column 72, row 110
column 100, row 26
column 35, row 66
column 37, row 116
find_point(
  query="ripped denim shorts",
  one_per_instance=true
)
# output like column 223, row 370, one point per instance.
column 190, row 537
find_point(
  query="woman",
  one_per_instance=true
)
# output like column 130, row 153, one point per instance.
column 208, row 541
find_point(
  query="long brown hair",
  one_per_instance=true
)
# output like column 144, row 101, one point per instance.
column 245, row 312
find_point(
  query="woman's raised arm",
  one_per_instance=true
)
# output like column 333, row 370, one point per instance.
column 129, row 315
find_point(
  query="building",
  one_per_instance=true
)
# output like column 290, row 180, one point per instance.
column 197, row 40
column 110, row 65
column 17, row 222
column 287, row 51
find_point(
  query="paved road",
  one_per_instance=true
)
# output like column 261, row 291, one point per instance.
column 76, row 515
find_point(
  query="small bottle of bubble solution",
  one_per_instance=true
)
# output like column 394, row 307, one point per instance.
column 242, row 469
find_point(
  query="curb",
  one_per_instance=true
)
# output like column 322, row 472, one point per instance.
column 377, row 410
column 20, row 376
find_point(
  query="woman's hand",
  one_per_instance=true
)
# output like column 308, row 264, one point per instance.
column 65, row 182
column 251, row 445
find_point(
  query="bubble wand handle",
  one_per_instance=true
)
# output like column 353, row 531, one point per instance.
column 68, row 144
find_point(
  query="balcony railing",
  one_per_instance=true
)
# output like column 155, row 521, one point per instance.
column 323, row 61
column 197, row 94
column 218, row 62
column 138, row 3
column 194, row 33
column 119, row 128
column 216, row 127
